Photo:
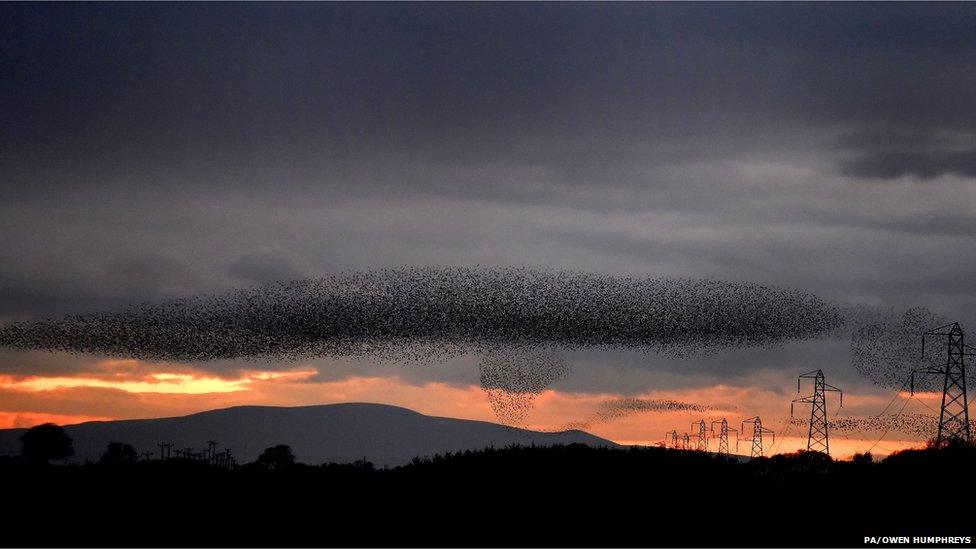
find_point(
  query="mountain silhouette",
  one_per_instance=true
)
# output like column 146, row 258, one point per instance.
column 341, row 433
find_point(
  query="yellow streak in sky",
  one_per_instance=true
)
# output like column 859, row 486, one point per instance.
column 156, row 383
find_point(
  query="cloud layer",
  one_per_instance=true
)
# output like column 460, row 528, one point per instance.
column 151, row 152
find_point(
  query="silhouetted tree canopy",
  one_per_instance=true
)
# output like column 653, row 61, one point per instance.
column 46, row 442
column 118, row 452
column 276, row 457
column 578, row 477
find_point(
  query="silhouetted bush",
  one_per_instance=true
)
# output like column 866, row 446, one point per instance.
column 46, row 442
column 118, row 453
column 276, row 457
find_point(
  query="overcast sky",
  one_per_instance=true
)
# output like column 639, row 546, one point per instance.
column 155, row 150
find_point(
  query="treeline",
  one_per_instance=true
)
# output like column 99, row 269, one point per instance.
column 571, row 495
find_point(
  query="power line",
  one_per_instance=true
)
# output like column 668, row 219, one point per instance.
column 784, row 430
column 889, row 426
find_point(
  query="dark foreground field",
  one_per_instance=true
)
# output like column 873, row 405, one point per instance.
column 558, row 496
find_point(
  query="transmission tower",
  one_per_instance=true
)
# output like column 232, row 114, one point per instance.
column 671, row 440
column 817, row 438
column 685, row 441
column 954, row 415
column 757, row 436
column 723, row 436
column 702, row 442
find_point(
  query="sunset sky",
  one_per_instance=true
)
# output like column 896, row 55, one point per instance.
column 151, row 151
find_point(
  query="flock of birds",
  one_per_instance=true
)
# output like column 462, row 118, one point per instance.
column 886, row 348
column 920, row 425
column 427, row 313
column 618, row 408
column 516, row 320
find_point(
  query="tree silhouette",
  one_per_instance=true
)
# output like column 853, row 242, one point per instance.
column 46, row 442
column 117, row 453
column 277, row 457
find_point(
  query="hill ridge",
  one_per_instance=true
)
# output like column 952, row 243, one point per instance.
column 340, row 432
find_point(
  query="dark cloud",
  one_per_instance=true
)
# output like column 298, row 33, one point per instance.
column 918, row 152
column 19, row 363
column 922, row 165
column 263, row 268
column 148, row 266
column 267, row 95
column 152, row 151
column 83, row 401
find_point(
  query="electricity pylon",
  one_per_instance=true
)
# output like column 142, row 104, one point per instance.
column 757, row 436
column 671, row 440
column 817, row 438
column 954, row 415
column 702, row 442
column 685, row 441
column 723, row 436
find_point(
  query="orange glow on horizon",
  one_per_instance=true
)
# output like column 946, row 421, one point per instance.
column 130, row 389
column 17, row 420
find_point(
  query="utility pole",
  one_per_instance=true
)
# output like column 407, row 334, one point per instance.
column 757, row 436
column 954, row 414
column 723, row 436
column 817, row 437
column 702, row 438
column 165, row 450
